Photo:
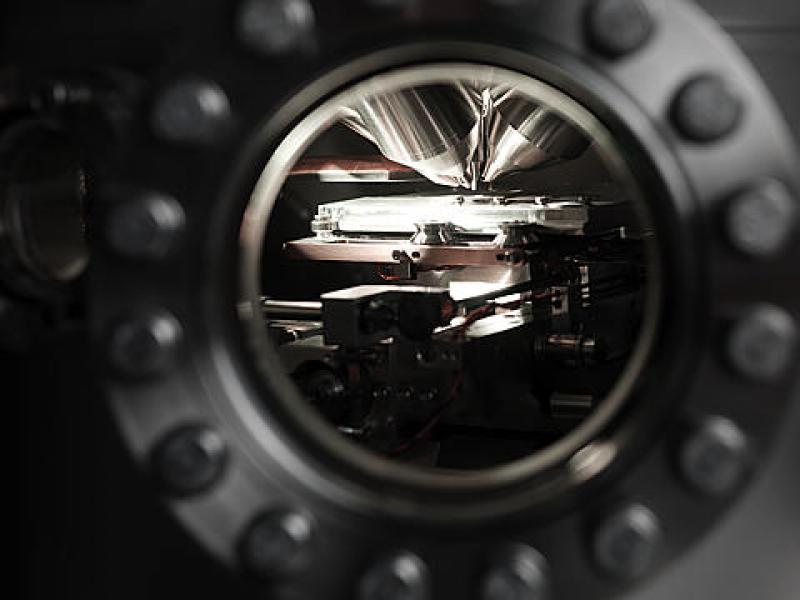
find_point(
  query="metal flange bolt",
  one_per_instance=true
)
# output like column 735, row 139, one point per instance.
column 145, row 228
column 520, row 573
column 762, row 343
column 713, row 458
column 191, row 111
column 189, row 460
column 760, row 221
column 272, row 27
column 625, row 542
column 276, row 543
column 146, row 345
column 401, row 577
column 706, row 109
column 617, row 27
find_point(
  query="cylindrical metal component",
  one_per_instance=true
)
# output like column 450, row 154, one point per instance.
column 292, row 309
column 625, row 542
column 189, row 460
column 520, row 573
column 706, row 108
column 432, row 129
column 568, row 347
column 761, row 220
column 513, row 235
column 191, row 111
column 276, row 543
column 713, row 458
column 570, row 406
column 145, row 345
column 146, row 227
column 762, row 344
column 401, row 577
column 617, row 27
column 273, row 27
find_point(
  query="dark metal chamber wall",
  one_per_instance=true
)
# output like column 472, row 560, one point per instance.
column 755, row 553
column 89, row 527
column 768, row 32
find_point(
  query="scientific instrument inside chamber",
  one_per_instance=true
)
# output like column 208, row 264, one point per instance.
column 455, row 273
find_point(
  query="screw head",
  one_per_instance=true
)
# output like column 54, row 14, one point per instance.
column 626, row 541
column 189, row 460
column 761, row 343
column 520, row 573
column 276, row 543
column 401, row 577
column 272, row 27
column 706, row 109
column 145, row 228
column 713, row 458
column 191, row 111
column 145, row 345
column 760, row 221
column 617, row 27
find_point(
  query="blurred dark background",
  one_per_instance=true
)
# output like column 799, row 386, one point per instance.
column 89, row 526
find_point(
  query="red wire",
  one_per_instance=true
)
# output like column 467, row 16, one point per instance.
column 469, row 319
column 428, row 427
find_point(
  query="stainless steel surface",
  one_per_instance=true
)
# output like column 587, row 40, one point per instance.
column 355, row 169
column 292, row 309
column 386, row 251
column 755, row 551
column 433, row 128
column 434, row 233
column 464, row 135
column 469, row 214
column 524, row 135
column 515, row 234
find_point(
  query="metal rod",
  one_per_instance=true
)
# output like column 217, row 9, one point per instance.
column 292, row 309
column 481, row 299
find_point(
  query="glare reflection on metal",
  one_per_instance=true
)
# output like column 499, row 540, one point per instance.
column 592, row 459
column 432, row 129
column 463, row 135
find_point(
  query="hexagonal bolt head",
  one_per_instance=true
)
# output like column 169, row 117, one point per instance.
column 760, row 221
column 146, row 227
column 706, row 109
column 146, row 345
column 191, row 111
column 272, row 27
column 714, row 457
column 762, row 343
column 617, row 27
column 401, row 577
column 276, row 543
column 625, row 542
column 189, row 460
column 519, row 573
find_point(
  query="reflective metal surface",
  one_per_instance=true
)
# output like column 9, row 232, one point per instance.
column 432, row 128
column 524, row 135
column 72, row 501
column 464, row 135
column 469, row 214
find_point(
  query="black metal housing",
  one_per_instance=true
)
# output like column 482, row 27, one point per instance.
column 273, row 464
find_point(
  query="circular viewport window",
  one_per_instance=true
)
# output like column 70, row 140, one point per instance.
column 455, row 267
